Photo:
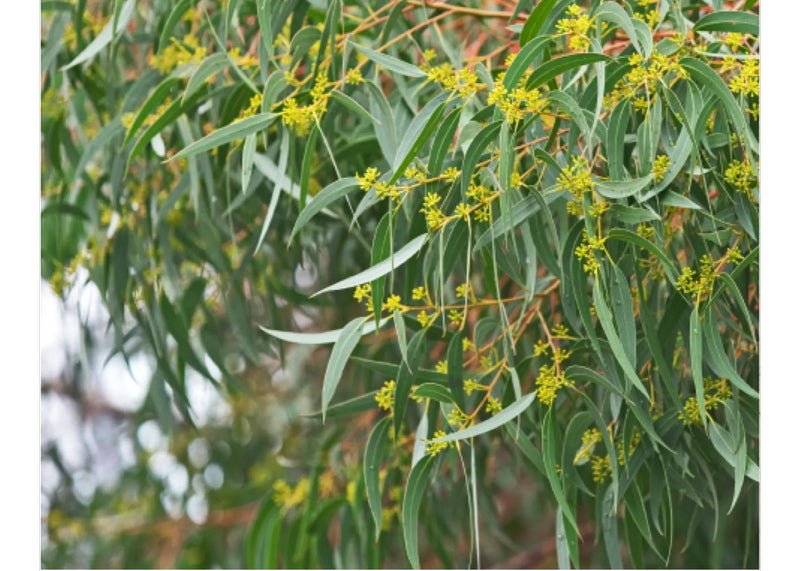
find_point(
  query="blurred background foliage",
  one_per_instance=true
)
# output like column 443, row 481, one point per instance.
column 176, row 433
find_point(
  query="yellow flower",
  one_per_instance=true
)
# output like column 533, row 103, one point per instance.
column 660, row 166
column 433, row 448
column 456, row 417
column 368, row 179
column 576, row 178
column 353, row 76
column 540, row 348
column 601, row 468
column 424, row 318
column 451, row 174
column 549, row 382
column 419, row 293
column 455, row 316
column 385, row 396
column 441, row 367
column 362, row 292
column 393, row 303
column 493, row 406
column 470, row 386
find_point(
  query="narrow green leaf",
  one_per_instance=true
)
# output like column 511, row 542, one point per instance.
column 622, row 188
column 227, row 134
column 412, row 499
column 507, row 414
column 606, row 321
column 342, row 349
column 316, row 338
column 327, row 196
column 381, row 268
column 555, row 67
column 535, row 21
column 373, row 458
column 696, row 360
column 105, row 36
column 391, row 63
column 728, row 21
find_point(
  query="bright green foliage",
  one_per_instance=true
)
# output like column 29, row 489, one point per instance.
column 559, row 240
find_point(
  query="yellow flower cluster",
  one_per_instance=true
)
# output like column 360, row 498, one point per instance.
column 517, row 104
column 493, row 406
column 698, row 285
column 254, row 107
column 434, row 216
column 650, row 17
column 481, row 195
column 601, row 468
column 715, row 392
column 394, row 303
column 747, row 82
column 287, row 496
column 362, row 292
column 576, row 27
column 300, row 117
column 457, row 417
column 385, row 396
column 644, row 76
column 471, row 385
column 549, row 382
column 441, row 367
column 462, row 82
column 586, row 251
column 660, row 167
column 368, row 179
column 433, row 448
column 419, row 293
column 178, row 54
column 741, row 175
column 353, row 76
column 576, row 178
column 589, row 440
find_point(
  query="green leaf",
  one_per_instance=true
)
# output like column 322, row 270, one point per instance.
column 633, row 238
column 155, row 99
column 555, row 67
column 342, row 349
column 606, row 321
column 105, row 36
column 509, row 413
column 550, row 456
column 696, row 360
column 455, row 369
column 419, row 131
column 622, row 188
column 476, row 148
column 728, row 21
column 524, row 59
column 316, row 338
column 391, row 63
column 327, row 196
column 208, row 68
column 412, row 499
column 400, row 331
column 717, row 359
column 535, row 21
column 613, row 12
column 227, row 134
column 373, row 458
column 702, row 73
column 381, row 268
column 349, row 407
column 436, row 392
column 248, row 156
column 622, row 304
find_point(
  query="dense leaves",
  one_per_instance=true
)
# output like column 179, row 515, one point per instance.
column 540, row 225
